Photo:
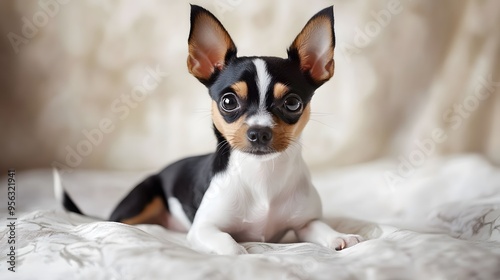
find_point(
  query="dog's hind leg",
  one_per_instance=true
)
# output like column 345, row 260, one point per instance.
column 145, row 204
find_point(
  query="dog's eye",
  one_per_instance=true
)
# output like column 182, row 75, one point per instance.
column 293, row 104
column 229, row 102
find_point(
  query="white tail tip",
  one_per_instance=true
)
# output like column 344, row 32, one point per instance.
column 58, row 188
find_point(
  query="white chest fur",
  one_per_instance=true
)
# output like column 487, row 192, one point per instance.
column 259, row 198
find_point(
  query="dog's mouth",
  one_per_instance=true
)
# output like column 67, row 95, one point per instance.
column 261, row 151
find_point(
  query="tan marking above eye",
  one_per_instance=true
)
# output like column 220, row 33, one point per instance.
column 280, row 90
column 241, row 89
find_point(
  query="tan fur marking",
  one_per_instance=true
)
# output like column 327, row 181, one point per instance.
column 285, row 134
column 235, row 132
column 280, row 90
column 241, row 89
column 206, row 55
column 301, row 43
column 154, row 213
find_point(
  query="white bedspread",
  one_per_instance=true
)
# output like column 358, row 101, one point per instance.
column 453, row 232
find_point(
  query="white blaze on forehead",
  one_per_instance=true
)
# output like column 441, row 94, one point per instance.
column 263, row 80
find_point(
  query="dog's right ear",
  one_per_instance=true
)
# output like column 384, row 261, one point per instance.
column 210, row 46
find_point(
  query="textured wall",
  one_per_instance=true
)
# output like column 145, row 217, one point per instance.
column 413, row 79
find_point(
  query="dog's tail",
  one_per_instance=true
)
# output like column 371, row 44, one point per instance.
column 62, row 196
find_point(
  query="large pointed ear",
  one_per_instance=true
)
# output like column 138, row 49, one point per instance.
column 210, row 46
column 314, row 45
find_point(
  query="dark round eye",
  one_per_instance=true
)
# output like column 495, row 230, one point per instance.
column 229, row 102
column 293, row 103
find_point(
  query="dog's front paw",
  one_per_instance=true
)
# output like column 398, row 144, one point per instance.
column 340, row 242
column 213, row 241
column 230, row 249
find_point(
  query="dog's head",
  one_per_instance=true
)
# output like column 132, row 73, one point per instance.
column 260, row 105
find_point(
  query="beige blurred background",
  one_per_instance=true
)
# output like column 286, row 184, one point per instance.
column 412, row 78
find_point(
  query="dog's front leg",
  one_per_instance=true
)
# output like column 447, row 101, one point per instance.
column 210, row 239
column 320, row 233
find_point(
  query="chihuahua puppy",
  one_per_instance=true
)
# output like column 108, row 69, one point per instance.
column 255, row 186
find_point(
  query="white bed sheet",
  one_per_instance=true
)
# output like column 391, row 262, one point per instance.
column 452, row 233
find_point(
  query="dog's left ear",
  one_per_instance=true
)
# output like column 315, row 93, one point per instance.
column 210, row 46
column 314, row 45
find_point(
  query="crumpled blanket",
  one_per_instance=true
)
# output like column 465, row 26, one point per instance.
column 59, row 245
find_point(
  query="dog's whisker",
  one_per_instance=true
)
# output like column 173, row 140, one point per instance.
column 322, row 114
column 320, row 122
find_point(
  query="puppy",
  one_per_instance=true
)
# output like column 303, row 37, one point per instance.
column 255, row 186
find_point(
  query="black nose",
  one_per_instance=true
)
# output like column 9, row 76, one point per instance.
column 259, row 135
